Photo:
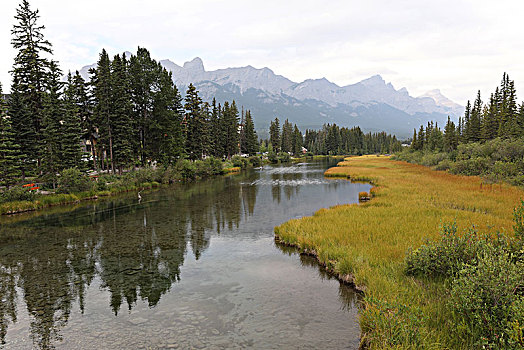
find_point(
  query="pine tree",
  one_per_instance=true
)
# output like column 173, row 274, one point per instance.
column 466, row 124
column 231, row 121
column 143, row 72
column 297, row 141
column 52, row 133
column 414, row 141
column 450, row 142
column 101, row 82
column 165, row 131
column 286, row 142
column 28, row 88
column 196, row 124
column 274, row 135
column 490, row 123
column 84, row 104
column 474, row 121
column 121, row 114
column 71, row 129
column 216, row 134
column 250, row 135
column 9, row 148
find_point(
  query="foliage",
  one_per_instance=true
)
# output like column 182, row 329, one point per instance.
column 72, row 180
column 487, row 299
column 17, row 193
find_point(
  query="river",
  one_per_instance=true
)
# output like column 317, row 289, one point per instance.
column 189, row 266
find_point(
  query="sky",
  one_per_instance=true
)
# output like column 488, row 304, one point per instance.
column 456, row 46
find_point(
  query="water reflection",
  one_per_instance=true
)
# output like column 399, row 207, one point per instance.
column 136, row 250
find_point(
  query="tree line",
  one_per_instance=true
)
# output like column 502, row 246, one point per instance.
column 129, row 113
column 330, row 139
column 500, row 117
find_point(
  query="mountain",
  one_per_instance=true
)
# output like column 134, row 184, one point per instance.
column 372, row 104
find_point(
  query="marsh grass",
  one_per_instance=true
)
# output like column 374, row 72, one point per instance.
column 370, row 240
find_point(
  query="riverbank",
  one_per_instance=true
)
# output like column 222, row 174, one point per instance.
column 369, row 243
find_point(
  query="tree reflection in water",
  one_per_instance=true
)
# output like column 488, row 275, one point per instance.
column 137, row 251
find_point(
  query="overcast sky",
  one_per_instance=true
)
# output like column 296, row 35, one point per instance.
column 456, row 46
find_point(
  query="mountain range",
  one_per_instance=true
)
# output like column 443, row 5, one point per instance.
column 372, row 104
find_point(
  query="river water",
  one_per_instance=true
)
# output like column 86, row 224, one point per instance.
column 189, row 266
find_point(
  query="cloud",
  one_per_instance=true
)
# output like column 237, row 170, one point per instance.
column 457, row 46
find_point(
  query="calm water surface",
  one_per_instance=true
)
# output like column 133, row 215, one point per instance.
column 190, row 266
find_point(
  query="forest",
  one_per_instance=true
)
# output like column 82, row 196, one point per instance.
column 487, row 141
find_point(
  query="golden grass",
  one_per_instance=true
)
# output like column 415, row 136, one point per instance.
column 410, row 203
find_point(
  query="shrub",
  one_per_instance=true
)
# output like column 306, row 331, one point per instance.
column 72, row 180
column 17, row 193
column 444, row 257
column 272, row 157
column 284, row 157
column 487, row 301
column 238, row 161
column 186, row 169
column 255, row 161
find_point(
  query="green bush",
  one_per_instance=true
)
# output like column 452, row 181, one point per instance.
column 284, row 157
column 186, row 169
column 17, row 193
column 72, row 180
column 239, row 161
column 446, row 256
column 255, row 161
column 272, row 157
column 487, row 301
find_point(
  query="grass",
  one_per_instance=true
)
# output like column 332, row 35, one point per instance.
column 369, row 242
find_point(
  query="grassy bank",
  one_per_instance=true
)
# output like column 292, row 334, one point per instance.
column 369, row 242
column 74, row 186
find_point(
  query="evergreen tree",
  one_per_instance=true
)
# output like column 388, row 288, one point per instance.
column 166, row 134
column 450, row 137
column 216, row 135
column 52, row 133
column 490, row 123
column 196, row 124
column 121, row 114
column 143, row 72
column 71, row 129
column 84, row 104
column 286, row 142
column 28, row 87
column 250, row 135
column 102, row 95
column 9, row 148
column 297, row 141
column 274, row 135
column 231, row 120
column 474, row 122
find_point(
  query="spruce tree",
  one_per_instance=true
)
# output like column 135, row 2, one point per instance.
column 84, row 103
column 121, row 114
column 231, row 122
column 490, row 122
column 196, row 124
column 274, row 135
column 286, row 142
column 166, row 135
column 71, row 129
column 9, row 149
column 297, row 141
column 52, row 133
column 143, row 72
column 250, row 135
column 28, row 87
column 102, row 96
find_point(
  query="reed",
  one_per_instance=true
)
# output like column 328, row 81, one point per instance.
column 369, row 241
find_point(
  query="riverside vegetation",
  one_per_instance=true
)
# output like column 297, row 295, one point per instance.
column 488, row 141
column 461, row 288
